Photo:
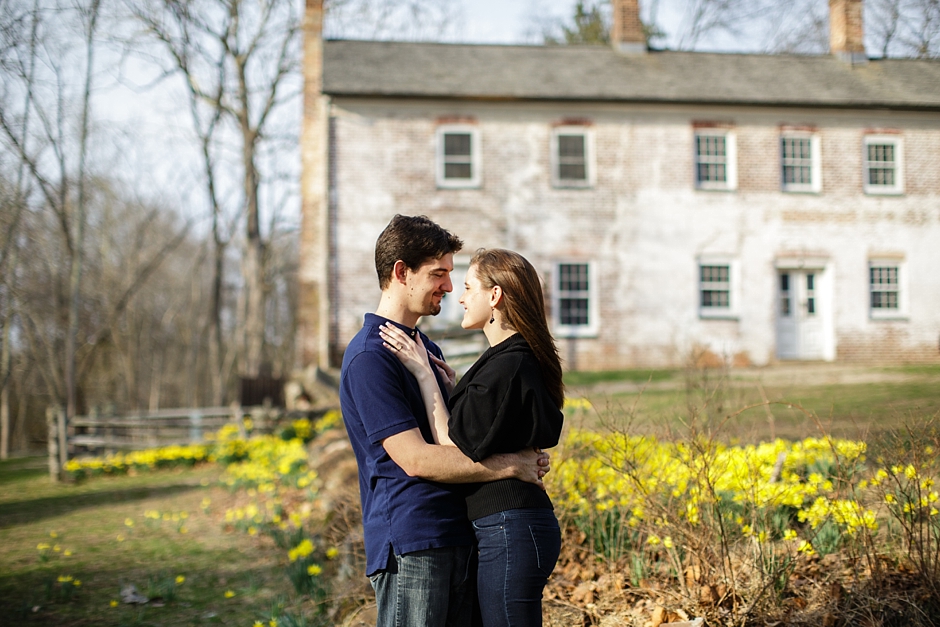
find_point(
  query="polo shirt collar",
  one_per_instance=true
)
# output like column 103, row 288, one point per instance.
column 375, row 320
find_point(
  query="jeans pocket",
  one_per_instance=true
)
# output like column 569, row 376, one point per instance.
column 491, row 523
column 547, row 541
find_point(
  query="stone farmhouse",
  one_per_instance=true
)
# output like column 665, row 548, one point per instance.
column 745, row 208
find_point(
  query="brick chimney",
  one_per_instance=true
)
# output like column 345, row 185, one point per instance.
column 313, row 308
column 626, row 30
column 846, row 33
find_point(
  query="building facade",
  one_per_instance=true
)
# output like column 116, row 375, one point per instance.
column 743, row 209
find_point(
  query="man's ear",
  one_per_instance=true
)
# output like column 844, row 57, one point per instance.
column 399, row 271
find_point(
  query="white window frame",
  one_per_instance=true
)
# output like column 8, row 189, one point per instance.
column 731, row 159
column 575, row 330
column 815, row 165
column 901, row 312
column 475, row 161
column 590, row 178
column 898, row 142
column 732, row 311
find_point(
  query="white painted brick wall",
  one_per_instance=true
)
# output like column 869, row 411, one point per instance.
column 645, row 224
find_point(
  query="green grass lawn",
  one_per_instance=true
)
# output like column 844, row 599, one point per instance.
column 105, row 541
column 577, row 379
column 717, row 403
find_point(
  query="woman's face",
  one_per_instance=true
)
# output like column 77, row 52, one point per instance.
column 475, row 301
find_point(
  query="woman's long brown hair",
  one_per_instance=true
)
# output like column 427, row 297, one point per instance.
column 524, row 308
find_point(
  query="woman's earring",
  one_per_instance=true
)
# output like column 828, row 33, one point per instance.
column 492, row 316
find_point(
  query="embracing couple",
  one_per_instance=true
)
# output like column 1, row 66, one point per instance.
column 458, row 528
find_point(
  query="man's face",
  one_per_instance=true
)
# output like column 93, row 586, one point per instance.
column 428, row 284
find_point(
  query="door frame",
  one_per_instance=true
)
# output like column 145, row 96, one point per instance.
column 822, row 266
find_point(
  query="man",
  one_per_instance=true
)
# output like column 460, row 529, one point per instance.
column 419, row 544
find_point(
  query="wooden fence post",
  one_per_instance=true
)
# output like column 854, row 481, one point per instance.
column 109, row 413
column 195, row 426
column 53, row 434
column 63, row 439
column 237, row 418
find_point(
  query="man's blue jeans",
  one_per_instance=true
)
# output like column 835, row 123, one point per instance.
column 518, row 550
column 431, row 588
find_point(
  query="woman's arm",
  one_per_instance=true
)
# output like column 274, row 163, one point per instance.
column 414, row 356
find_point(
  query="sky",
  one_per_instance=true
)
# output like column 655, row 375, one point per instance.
column 517, row 21
column 505, row 21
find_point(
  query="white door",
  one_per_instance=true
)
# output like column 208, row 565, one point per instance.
column 799, row 316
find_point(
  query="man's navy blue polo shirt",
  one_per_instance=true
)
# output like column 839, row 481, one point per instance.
column 380, row 398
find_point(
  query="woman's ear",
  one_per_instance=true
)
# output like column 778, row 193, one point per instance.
column 496, row 296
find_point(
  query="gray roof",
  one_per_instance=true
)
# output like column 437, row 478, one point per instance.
column 597, row 73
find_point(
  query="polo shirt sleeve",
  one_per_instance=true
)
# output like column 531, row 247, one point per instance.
column 376, row 383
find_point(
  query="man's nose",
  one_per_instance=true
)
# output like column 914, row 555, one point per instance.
column 448, row 285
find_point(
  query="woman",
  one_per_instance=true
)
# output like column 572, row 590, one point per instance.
column 510, row 399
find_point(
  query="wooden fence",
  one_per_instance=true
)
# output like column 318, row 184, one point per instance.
column 103, row 434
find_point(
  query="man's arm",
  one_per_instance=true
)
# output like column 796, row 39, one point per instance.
column 448, row 464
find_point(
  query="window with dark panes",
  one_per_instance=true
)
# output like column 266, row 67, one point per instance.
column 711, row 158
column 458, row 156
column 572, row 157
column 797, row 159
column 715, row 286
column 785, row 295
column 810, row 294
column 880, row 162
column 884, row 287
column 573, row 294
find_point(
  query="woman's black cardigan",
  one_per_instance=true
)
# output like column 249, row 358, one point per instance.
column 501, row 405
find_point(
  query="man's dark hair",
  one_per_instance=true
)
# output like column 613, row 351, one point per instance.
column 414, row 240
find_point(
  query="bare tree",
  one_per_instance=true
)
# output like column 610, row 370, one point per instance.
column 923, row 38
column 89, row 18
column 796, row 27
column 903, row 28
column 239, row 60
column 57, row 308
column 12, row 201
column 54, row 182
column 883, row 21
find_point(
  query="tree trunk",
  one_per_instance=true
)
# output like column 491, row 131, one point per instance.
column 253, row 264
column 76, row 261
column 215, row 318
column 6, row 359
column 5, row 393
column 254, row 307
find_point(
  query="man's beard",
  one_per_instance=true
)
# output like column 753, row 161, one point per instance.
column 434, row 308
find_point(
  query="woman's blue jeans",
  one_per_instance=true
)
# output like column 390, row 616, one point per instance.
column 518, row 550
